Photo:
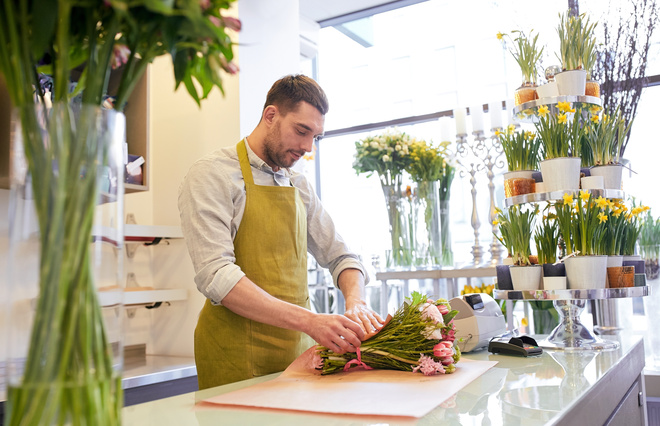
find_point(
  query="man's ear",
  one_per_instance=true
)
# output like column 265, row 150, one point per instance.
column 270, row 112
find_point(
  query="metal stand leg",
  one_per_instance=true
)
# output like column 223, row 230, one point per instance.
column 571, row 334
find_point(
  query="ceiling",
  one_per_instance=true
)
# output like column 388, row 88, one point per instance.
column 320, row 10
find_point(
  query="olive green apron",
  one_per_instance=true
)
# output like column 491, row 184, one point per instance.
column 271, row 248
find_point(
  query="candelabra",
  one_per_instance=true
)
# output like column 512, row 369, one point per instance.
column 482, row 154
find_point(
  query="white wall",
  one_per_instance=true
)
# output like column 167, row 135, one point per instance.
column 269, row 49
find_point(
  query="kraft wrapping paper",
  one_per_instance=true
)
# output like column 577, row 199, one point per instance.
column 363, row 392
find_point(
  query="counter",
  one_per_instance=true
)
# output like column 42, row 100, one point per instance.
column 559, row 387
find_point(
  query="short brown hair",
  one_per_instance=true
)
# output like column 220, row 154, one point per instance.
column 287, row 92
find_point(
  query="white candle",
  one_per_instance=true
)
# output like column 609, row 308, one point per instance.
column 495, row 112
column 445, row 130
column 477, row 113
column 459, row 116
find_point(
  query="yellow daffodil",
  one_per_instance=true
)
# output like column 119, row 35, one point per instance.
column 543, row 111
column 564, row 106
column 500, row 36
column 595, row 119
column 594, row 109
column 602, row 217
column 510, row 129
column 636, row 211
column 498, row 210
column 561, row 118
column 617, row 212
column 524, row 322
column 568, row 198
column 496, row 222
column 645, row 208
column 602, row 202
column 584, row 195
column 497, row 132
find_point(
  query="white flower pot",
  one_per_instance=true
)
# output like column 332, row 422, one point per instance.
column 614, row 261
column 526, row 277
column 571, row 83
column 554, row 283
column 611, row 174
column 547, row 90
column 592, row 182
column 561, row 174
column 586, row 272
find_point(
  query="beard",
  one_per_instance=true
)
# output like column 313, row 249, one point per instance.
column 274, row 151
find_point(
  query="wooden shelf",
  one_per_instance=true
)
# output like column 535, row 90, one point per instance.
column 141, row 297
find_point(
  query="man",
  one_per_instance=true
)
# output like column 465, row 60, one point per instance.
column 249, row 221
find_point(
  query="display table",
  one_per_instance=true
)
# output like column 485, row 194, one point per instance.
column 558, row 387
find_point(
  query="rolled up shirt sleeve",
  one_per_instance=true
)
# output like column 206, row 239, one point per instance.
column 209, row 225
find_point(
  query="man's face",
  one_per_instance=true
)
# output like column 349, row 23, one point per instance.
column 292, row 135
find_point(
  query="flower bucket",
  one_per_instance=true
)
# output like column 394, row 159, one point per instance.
column 611, row 173
column 503, row 277
column 547, row 90
column 615, row 277
column 65, row 358
column 526, row 277
column 592, row 182
column 592, row 88
column 552, row 270
column 524, row 93
column 554, row 283
column 426, row 216
column 561, row 174
column 399, row 213
column 519, row 182
column 586, row 272
column 571, row 83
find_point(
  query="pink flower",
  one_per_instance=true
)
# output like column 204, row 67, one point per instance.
column 428, row 366
column 120, row 54
column 232, row 23
column 215, row 20
column 443, row 349
column 430, row 312
column 447, row 360
column 444, row 310
column 230, row 67
column 204, row 4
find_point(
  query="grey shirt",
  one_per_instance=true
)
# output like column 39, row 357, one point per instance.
column 211, row 205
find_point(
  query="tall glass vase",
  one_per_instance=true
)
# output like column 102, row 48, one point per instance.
column 428, row 247
column 399, row 213
column 445, row 234
column 65, row 351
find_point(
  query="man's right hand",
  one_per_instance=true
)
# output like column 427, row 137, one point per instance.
column 336, row 332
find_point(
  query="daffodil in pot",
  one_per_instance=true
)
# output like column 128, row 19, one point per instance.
column 560, row 133
column 546, row 239
column 581, row 230
column 521, row 150
column 388, row 155
column 527, row 54
column 65, row 359
column 516, row 225
column 605, row 136
column 575, row 36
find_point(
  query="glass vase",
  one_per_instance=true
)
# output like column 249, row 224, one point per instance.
column 399, row 213
column 545, row 317
column 445, row 234
column 651, row 256
column 428, row 247
column 65, row 349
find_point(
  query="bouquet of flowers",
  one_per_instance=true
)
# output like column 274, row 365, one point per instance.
column 419, row 337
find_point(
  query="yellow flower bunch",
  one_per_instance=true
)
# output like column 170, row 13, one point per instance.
column 559, row 135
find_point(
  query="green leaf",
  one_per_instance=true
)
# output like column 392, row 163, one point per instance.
column 44, row 18
column 160, row 6
column 192, row 89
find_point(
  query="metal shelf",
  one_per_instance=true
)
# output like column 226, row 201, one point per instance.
column 538, row 197
column 572, row 294
column 526, row 112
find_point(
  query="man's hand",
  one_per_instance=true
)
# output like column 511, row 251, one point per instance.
column 359, row 312
column 335, row 332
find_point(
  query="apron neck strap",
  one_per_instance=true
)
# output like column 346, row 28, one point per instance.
column 243, row 159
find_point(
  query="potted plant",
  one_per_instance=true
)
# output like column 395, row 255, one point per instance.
column 560, row 133
column 388, row 155
column 546, row 239
column 610, row 236
column 589, row 59
column 522, row 150
column 605, row 135
column 516, row 225
column 526, row 52
column 575, row 34
column 579, row 225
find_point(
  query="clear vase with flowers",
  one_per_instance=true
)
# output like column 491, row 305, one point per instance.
column 388, row 155
column 66, row 359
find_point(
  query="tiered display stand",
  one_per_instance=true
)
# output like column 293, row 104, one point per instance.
column 570, row 334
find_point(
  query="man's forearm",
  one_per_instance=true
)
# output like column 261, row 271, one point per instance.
column 351, row 284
